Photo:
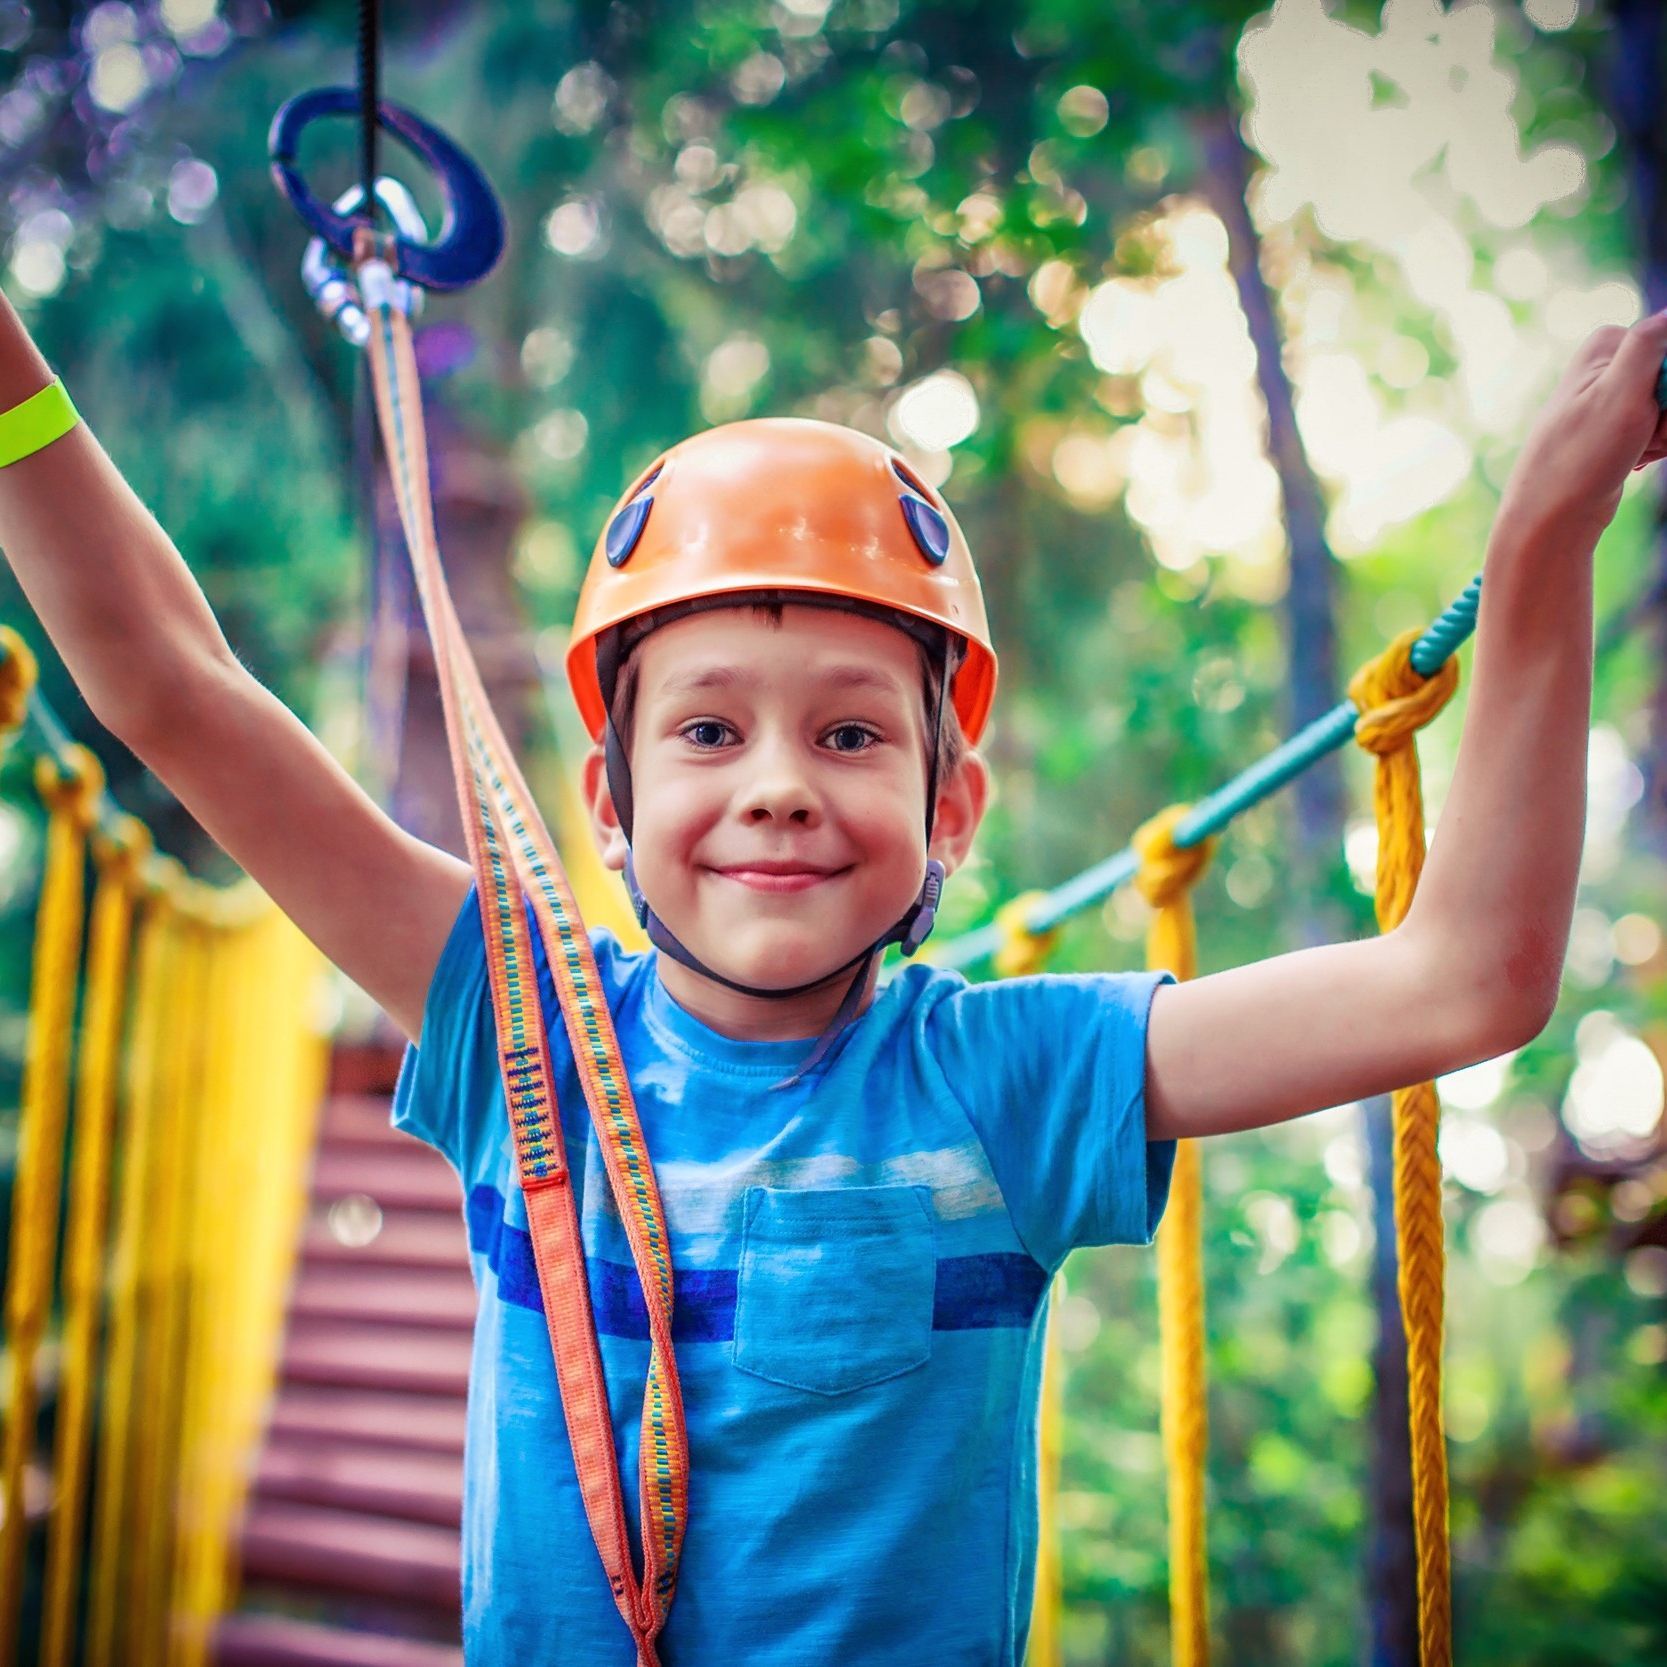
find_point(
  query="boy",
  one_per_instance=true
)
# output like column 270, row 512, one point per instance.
column 866, row 1193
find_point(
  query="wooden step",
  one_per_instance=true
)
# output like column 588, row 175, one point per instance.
column 414, row 1179
column 348, row 1356
column 346, row 1551
column 363, row 1119
column 276, row 1641
column 414, row 1239
column 400, row 1422
column 412, row 1487
column 435, row 1299
column 366, row 1067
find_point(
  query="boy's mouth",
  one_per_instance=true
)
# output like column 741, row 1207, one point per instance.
column 777, row 876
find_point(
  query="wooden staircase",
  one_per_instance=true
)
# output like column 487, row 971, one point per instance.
column 350, row 1544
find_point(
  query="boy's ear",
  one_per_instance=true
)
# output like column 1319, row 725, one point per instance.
column 963, row 797
column 604, row 823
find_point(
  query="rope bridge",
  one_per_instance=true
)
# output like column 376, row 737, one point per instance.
column 195, row 1069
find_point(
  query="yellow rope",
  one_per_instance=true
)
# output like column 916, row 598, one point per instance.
column 1166, row 877
column 116, row 1521
column 117, row 860
column 17, row 681
column 1023, row 953
column 1395, row 702
column 71, row 796
column 161, row 1387
column 192, row 1504
column 210, row 1116
column 1046, row 1647
column 251, row 1193
column 281, row 1078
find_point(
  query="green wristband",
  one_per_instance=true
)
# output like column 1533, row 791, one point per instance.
column 37, row 422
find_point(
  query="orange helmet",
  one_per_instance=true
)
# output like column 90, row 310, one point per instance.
column 784, row 504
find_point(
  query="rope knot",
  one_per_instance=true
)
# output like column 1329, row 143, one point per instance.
column 165, row 878
column 1022, row 951
column 1395, row 700
column 122, row 853
column 18, row 672
column 1167, row 870
column 71, row 784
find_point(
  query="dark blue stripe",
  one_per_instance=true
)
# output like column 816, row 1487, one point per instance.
column 973, row 1293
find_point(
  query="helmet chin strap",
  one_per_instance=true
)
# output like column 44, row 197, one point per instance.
column 910, row 932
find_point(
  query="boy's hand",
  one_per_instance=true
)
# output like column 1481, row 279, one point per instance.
column 1601, row 422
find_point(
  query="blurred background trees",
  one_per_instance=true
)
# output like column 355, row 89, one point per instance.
column 1012, row 238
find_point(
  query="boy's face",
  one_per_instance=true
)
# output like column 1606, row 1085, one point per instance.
column 780, row 785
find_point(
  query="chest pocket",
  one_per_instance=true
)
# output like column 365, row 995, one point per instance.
column 835, row 1286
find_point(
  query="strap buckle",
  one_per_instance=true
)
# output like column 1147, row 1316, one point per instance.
column 925, row 914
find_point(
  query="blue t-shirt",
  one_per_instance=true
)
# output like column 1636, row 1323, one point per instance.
column 861, row 1272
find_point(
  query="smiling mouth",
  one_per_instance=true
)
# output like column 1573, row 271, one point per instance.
column 778, row 880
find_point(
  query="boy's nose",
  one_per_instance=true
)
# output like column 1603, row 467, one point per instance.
column 782, row 800
column 780, row 791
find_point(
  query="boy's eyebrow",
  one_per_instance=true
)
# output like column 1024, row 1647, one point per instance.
column 735, row 677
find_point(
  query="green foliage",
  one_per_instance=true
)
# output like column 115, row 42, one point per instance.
column 769, row 212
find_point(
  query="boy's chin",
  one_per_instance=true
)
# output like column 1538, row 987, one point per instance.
column 780, row 959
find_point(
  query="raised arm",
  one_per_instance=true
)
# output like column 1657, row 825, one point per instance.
column 143, row 646
column 1474, row 968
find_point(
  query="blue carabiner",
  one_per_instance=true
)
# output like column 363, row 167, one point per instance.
column 472, row 229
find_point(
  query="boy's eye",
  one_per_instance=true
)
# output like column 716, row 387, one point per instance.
column 706, row 733
column 852, row 737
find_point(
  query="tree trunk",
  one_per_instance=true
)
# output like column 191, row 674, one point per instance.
column 1317, row 839
column 1634, row 84
column 1310, row 597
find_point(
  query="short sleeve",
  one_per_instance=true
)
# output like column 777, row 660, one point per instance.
column 1051, row 1071
column 443, row 1075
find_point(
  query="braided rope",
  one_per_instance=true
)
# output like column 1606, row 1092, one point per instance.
column 1045, row 1647
column 1022, row 950
column 71, row 794
column 1395, row 702
column 1165, row 879
column 117, row 861
column 131, row 1305
column 168, row 1275
column 18, row 674
column 1022, row 954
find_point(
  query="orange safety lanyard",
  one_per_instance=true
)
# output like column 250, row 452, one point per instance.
column 513, row 858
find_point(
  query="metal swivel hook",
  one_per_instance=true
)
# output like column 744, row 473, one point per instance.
column 327, row 279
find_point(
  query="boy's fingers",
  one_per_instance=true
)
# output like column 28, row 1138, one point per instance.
column 1638, row 357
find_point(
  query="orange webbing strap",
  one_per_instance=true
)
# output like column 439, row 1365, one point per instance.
column 1396, row 702
column 1166, row 878
column 71, row 793
column 514, row 860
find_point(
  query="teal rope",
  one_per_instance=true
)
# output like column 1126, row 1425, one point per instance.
column 1211, row 815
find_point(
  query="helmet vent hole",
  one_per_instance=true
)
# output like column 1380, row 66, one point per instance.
column 649, row 479
column 913, row 481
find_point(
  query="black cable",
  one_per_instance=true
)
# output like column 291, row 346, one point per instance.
column 369, row 97
column 382, row 725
